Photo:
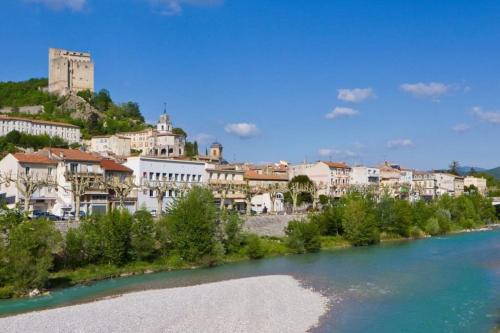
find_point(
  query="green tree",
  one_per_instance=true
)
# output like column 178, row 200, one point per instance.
column 142, row 235
column 303, row 237
column 358, row 221
column 254, row 247
column 30, row 253
column 454, row 168
column 192, row 224
column 232, row 224
column 329, row 220
column 117, row 226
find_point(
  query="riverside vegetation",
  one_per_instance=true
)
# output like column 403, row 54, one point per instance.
column 33, row 254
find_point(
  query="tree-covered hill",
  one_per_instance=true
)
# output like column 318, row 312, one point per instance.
column 494, row 172
column 95, row 113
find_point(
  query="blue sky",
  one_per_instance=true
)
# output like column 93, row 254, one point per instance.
column 414, row 82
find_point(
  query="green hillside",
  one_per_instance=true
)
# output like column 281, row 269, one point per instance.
column 107, row 117
column 494, row 172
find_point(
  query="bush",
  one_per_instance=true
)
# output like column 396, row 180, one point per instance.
column 303, row 237
column 416, row 232
column 254, row 247
column 7, row 292
column 329, row 221
column 432, row 226
column 232, row 224
column 30, row 253
column 142, row 235
column 117, row 231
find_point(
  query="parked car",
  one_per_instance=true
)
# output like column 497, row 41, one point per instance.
column 38, row 214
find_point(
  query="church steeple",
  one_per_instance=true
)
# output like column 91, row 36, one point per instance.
column 164, row 124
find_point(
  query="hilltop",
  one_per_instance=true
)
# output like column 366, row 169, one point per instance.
column 95, row 113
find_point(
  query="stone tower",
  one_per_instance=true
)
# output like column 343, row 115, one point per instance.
column 70, row 72
column 216, row 150
column 164, row 124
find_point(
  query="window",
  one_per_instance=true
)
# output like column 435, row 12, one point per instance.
column 169, row 176
column 73, row 167
column 151, row 175
column 182, row 177
column 27, row 170
column 151, row 193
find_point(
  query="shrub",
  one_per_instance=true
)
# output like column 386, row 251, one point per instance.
column 254, row 247
column 116, row 228
column 30, row 253
column 359, row 222
column 231, row 223
column 432, row 226
column 142, row 235
column 303, row 237
column 416, row 232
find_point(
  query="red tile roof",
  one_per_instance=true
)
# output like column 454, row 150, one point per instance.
column 73, row 154
column 110, row 165
column 337, row 165
column 33, row 159
column 252, row 175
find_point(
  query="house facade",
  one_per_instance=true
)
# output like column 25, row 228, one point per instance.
column 332, row 178
column 178, row 174
column 67, row 132
column 110, row 145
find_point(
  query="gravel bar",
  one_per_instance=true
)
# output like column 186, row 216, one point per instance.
column 274, row 303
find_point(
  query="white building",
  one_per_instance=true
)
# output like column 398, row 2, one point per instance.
column 363, row 176
column 30, row 165
column 179, row 172
column 110, row 144
column 226, row 182
column 332, row 178
column 67, row 132
column 429, row 185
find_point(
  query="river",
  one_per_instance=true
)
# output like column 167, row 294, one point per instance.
column 440, row 284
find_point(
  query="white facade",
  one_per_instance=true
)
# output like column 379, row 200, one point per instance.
column 153, row 168
column 364, row 176
column 69, row 133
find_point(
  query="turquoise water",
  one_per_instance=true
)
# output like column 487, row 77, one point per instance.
column 443, row 284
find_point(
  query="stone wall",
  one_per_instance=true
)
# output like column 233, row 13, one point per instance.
column 270, row 225
column 33, row 109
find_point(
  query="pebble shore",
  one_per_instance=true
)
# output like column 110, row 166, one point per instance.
column 275, row 303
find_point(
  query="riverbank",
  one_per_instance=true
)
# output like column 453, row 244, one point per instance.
column 275, row 303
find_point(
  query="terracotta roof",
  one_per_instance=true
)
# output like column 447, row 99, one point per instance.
column 111, row 165
column 252, row 175
column 73, row 154
column 33, row 158
column 337, row 165
column 35, row 121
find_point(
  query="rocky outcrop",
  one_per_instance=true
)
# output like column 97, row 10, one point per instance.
column 79, row 107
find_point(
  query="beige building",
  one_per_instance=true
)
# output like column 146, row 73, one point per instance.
column 159, row 142
column 67, row 132
column 70, row 72
column 332, row 178
column 226, row 183
column 110, row 145
column 429, row 185
column 478, row 183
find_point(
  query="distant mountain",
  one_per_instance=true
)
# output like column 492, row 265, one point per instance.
column 494, row 172
column 464, row 170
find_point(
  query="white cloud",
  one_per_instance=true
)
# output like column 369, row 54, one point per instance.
column 174, row 7
column 203, row 138
column 75, row 5
column 335, row 153
column 461, row 128
column 242, row 130
column 492, row 117
column 355, row 95
column 399, row 143
column 341, row 112
column 429, row 90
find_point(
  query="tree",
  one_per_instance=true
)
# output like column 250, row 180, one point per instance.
column 303, row 237
column 32, row 244
column 454, row 168
column 274, row 190
column 192, row 225
column 27, row 183
column 161, row 188
column 142, row 235
column 358, row 221
column 79, row 184
column 300, row 188
column 120, row 187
